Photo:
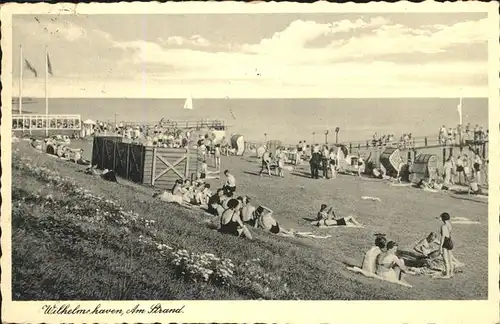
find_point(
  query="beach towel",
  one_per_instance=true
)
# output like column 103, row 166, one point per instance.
column 311, row 235
column 463, row 221
column 371, row 198
column 372, row 275
column 341, row 226
column 396, row 184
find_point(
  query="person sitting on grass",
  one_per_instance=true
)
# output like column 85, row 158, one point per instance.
column 230, row 221
column 324, row 218
column 266, row 221
column 389, row 266
column 226, row 197
column 185, row 187
column 230, row 184
column 203, row 194
column 215, row 203
column 248, row 212
column 369, row 264
column 428, row 248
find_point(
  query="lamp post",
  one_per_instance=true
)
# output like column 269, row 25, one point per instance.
column 337, row 135
column 314, row 138
column 265, row 138
column 326, row 137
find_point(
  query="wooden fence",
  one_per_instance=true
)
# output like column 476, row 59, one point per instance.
column 153, row 166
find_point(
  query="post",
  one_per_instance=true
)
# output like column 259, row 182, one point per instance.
column 21, row 80
column 186, row 169
column 350, row 147
column 153, row 167
column 484, row 150
column 127, row 163
column 46, row 91
column 444, row 155
column 425, row 141
column 114, row 156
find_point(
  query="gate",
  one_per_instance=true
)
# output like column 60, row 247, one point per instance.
column 169, row 165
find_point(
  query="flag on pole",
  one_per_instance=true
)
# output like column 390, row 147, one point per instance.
column 31, row 68
column 49, row 65
column 459, row 109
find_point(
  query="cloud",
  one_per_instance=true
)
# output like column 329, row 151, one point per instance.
column 51, row 29
column 299, row 33
column 372, row 55
column 195, row 40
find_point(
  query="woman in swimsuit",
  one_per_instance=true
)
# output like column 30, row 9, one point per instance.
column 370, row 260
column 230, row 221
column 266, row 221
column 389, row 266
column 446, row 245
column 324, row 218
column 248, row 213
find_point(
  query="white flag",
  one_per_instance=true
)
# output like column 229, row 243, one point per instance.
column 459, row 109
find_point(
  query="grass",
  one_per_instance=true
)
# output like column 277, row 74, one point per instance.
column 57, row 255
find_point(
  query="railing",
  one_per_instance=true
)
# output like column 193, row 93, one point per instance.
column 187, row 124
column 413, row 143
column 29, row 122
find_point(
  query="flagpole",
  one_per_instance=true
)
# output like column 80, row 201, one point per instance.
column 21, row 80
column 46, row 92
column 461, row 110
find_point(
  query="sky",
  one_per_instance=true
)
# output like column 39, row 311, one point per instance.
column 254, row 55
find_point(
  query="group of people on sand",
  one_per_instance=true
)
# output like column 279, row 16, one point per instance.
column 235, row 214
column 324, row 159
column 383, row 259
column 278, row 161
column 60, row 149
column 459, row 134
column 405, row 140
column 463, row 169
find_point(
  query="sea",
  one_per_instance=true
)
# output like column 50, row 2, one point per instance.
column 288, row 120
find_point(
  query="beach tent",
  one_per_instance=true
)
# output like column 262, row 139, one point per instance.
column 424, row 167
column 89, row 122
column 238, row 143
column 391, row 160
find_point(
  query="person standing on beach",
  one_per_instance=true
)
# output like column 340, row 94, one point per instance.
column 300, row 149
column 217, row 154
column 446, row 245
column 266, row 163
column 315, row 163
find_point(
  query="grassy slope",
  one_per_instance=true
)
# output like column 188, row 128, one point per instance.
column 70, row 259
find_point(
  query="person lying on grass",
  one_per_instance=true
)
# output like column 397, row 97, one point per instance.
column 77, row 157
column 389, row 266
column 324, row 218
column 230, row 221
column 266, row 221
column 370, row 260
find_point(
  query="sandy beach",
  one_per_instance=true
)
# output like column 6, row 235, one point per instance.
column 295, row 199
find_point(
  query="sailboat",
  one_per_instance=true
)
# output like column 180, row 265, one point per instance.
column 188, row 104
